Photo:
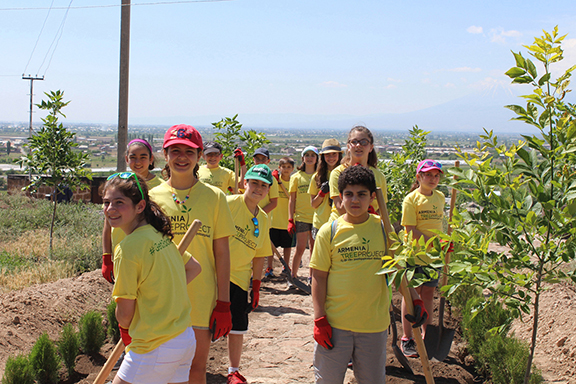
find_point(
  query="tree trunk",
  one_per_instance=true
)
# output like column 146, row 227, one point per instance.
column 534, row 328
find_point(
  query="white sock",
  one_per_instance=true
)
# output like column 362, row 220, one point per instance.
column 232, row 370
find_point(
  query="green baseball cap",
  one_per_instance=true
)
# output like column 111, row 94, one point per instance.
column 259, row 172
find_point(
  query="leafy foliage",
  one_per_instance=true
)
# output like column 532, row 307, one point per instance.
column 69, row 347
column 91, row 332
column 229, row 135
column 400, row 171
column 44, row 360
column 18, row 370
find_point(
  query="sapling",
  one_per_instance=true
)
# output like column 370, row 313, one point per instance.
column 91, row 331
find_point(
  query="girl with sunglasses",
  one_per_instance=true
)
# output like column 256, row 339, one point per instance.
column 140, row 158
column 422, row 213
column 184, row 198
column 359, row 151
column 147, row 265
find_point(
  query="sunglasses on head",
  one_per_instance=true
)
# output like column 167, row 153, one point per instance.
column 429, row 163
column 125, row 176
column 256, row 229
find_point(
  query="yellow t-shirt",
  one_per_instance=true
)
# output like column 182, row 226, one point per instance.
column 207, row 204
column 219, row 177
column 380, row 182
column 322, row 213
column 299, row 183
column 357, row 299
column 272, row 194
column 424, row 212
column 244, row 245
column 150, row 270
column 118, row 234
column 279, row 214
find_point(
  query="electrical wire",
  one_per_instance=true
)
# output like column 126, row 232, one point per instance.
column 55, row 41
column 40, row 34
column 116, row 5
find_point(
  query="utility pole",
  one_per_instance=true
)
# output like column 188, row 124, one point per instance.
column 123, row 94
column 31, row 78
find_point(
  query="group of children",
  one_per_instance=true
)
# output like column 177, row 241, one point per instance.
column 171, row 306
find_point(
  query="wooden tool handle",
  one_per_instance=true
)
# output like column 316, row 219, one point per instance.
column 112, row 359
column 405, row 291
column 236, row 175
column 284, row 189
column 189, row 235
column 450, row 214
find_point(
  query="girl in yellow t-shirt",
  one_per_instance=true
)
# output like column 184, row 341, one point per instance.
column 422, row 213
column 184, row 198
column 301, row 213
column 147, row 265
column 330, row 157
column 140, row 158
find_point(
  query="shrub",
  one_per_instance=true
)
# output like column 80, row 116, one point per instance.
column 479, row 318
column 113, row 330
column 91, row 332
column 69, row 347
column 18, row 370
column 44, row 360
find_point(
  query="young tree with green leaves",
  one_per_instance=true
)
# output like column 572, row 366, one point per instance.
column 526, row 195
column 51, row 159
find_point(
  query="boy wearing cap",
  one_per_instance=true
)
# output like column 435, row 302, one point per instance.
column 248, row 247
column 262, row 156
column 214, row 174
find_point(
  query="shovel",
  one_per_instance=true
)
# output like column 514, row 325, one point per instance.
column 297, row 283
column 397, row 352
column 438, row 339
column 119, row 348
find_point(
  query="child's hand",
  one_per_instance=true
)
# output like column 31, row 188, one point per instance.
column 324, row 189
column 276, row 175
column 291, row 227
column 126, row 339
column 221, row 320
column 108, row 267
column 238, row 154
column 254, row 296
column 420, row 314
column 323, row 332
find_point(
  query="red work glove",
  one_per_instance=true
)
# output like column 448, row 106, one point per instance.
column 230, row 189
column 108, row 267
column 276, row 174
column 126, row 339
column 450, row 246
column 420, row 314
column 291, row 227
column 324, row 189
column 238, row 154
column 371, row 210
column 323, row 332
column 254, row 296
column 221, row 320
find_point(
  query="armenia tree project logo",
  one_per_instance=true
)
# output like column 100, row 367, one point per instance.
column 365, row 243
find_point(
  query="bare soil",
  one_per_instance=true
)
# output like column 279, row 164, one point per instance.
column 279, row 346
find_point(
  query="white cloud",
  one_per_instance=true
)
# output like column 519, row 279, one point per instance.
column 449, row 85
column 391, row 86
column 474, row 29
column 391, row 80
column 333, row 84
column 426, row 81
column 499, row 35
column 569, row 48
column 465, row 69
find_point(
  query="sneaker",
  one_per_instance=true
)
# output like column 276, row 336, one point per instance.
column 236, row 378
column 309, row 280
column 290, row 285
column 350, row 364
column 284, row 272
column 269, row 272
column 409, row 348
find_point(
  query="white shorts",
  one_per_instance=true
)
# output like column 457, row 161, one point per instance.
column 169, row 363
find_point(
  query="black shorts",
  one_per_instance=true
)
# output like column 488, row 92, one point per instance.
column 238, row 306
column 281, row 238
column 303, row 227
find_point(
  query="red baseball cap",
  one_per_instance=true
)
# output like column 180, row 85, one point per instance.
column 183, row 134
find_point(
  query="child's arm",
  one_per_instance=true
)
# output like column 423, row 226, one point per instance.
column 291, row 211
column 106, row 238
column 271, row 205
column 193, row 269
column 125, row 312
column 319, row 289
column 107, row 264
column 222, row 264
column 338, row 204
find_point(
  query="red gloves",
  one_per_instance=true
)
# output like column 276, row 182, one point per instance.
column 276, row 174
column 254, row 296
column 230, row 189
column 371, row 210
column 238, row 154
column 221, row 320
column 450, row 246
column 108, row 267
column 126, row 339
column 324, row 189
column 323, row 332
column 420, row 314
column 291, row 227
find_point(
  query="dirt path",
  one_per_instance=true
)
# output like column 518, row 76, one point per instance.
column 279, row 345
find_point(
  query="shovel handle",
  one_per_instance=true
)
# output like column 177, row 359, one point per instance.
column 112, row 359
column 236, row 176
column 384, row 216
column 189, row 236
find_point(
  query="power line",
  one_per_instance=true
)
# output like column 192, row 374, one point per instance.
column 56, row 40
column 115, row 5
column 40, row 34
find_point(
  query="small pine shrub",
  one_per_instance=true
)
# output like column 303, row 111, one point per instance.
column 113, row 330
column 69, row 347
column 91, row 332
column 44, row 360
column 476, row 327
column 18, row 370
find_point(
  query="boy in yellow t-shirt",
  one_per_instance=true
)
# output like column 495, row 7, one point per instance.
column 346, row 257
column 212, row 173
column 248, row 248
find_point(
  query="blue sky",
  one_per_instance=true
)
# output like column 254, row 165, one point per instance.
column 275, row 62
